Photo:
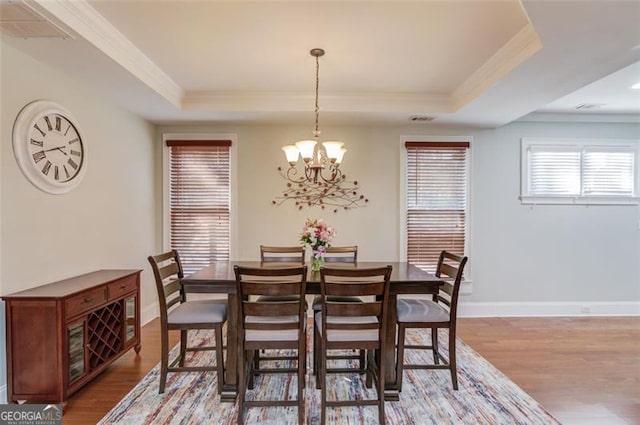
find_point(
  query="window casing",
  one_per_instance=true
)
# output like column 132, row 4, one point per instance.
column 437, row 175
column 569, row 171
column 199, row 204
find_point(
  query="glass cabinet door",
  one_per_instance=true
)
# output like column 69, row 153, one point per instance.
column 130, row 318
column 75, row 338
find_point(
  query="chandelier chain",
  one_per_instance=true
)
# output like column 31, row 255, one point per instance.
column 317, row 133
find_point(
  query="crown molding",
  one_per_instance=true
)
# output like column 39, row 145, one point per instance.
column 518, row 49
column 82, row 18
column 580, row 117
column 303, row 102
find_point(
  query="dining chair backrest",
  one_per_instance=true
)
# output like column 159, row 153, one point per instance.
column 372, row 284
column 168, row 273
column 251, row 283
column 450, row 269
column 282, row 254
column 341, row 254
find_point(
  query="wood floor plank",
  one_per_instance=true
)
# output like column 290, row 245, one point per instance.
column 583, row 370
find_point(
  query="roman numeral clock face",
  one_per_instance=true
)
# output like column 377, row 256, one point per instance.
column 49, row 147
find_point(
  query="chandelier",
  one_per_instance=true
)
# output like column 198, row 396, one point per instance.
column 320, row 180
column 314, row 156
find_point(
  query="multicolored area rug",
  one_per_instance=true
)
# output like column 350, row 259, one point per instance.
column 485, row 396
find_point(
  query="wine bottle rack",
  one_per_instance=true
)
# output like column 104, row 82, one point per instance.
column 105, row 334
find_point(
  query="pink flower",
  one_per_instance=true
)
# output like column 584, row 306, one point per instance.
column 318, row 235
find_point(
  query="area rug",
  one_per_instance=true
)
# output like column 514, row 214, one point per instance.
column 485, row 396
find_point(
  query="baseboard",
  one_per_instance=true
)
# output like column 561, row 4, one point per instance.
column 514, row 309
column 505, row 309
column 3, row 394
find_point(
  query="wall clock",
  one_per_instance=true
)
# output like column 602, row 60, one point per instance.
column 49, row 147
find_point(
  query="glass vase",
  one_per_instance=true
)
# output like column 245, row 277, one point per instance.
column 317, row 261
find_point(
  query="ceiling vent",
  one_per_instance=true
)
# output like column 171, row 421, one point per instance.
column 424, row 118
column 585, row 106
column 17, row 19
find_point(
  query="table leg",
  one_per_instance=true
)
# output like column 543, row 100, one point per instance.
column 230, row 384
column 391, row 392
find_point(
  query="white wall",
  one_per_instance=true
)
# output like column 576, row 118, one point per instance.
column 548, row 252
column 523, row 259
column 109, row 221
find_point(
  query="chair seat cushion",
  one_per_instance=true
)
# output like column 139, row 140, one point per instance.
column 200, row 311
column 335, row 335
column 271, row 335
column 420, row 310
column 317, row 301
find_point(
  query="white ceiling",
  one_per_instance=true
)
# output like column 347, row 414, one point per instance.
column 476, row 62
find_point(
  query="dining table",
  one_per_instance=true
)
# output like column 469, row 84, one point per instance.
column 219, row 278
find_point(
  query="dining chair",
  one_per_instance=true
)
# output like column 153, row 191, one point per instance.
column 437, row 313
column 271, row 325
column 342, row 255
column 279, row 256
column 282, row 254
column 348, row 325
column 176, row 313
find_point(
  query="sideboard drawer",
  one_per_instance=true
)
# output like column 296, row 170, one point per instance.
column 86, row 301
column 121, row 287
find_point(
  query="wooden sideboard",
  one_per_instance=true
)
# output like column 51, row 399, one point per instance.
column 61, row 335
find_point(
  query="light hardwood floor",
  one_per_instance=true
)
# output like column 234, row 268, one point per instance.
column 584, row 371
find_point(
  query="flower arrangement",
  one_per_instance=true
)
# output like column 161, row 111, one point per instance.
column 318, row 235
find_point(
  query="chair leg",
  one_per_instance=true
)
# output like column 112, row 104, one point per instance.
column 251, row 365
column 219, row 360
column 302, row 361
column 452, row 358
column 242, row 387
column 362, row 360
column 317, row 356
column 381, row 382
column 369, row 371
column 321, row 378
column 164, row 360
column 316, row 344
column 400, row 360
column 434, row 345
column 256, row 360
column 183, row 347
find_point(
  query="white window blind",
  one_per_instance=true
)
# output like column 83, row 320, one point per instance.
column 436, row 200
column 199, row 201
column 608, row 172
column 554, row 172
column 574, row 171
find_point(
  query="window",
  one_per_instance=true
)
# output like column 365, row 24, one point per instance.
column 579, row 171
column 199, row 201
column 437, row 174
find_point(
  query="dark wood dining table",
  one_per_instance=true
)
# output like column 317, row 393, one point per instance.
column 219, row 278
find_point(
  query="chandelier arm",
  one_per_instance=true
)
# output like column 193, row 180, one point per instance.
column 336, row 175
column 290, row 175
column 309, row 174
